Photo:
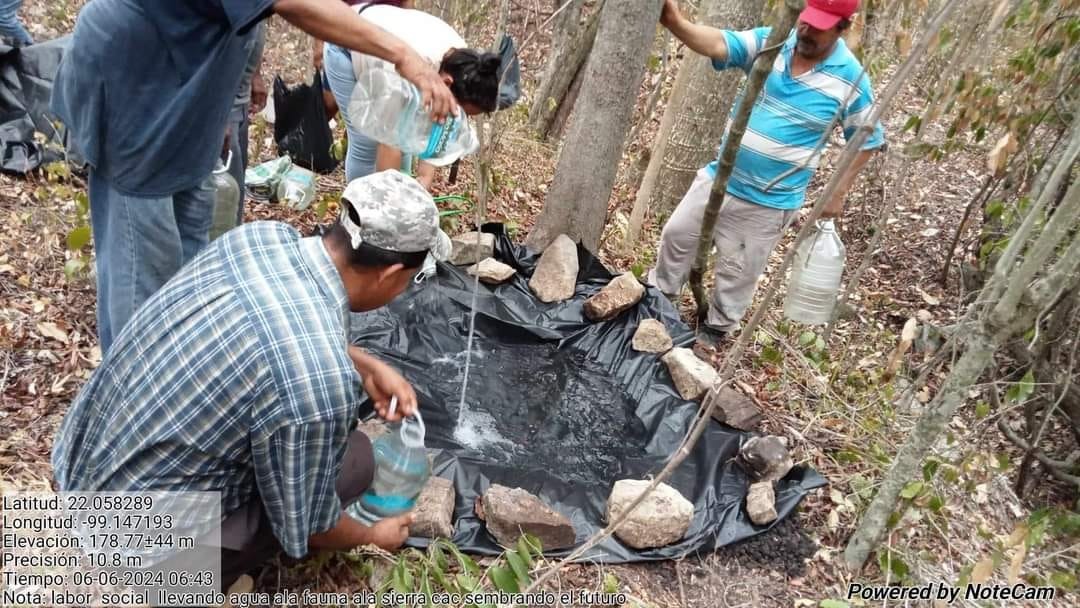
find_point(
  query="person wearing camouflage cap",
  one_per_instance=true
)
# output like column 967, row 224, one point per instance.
column 237, row 377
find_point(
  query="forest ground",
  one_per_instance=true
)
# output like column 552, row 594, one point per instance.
column 839, row 417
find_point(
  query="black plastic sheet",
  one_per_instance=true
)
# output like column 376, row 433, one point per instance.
column 428, row 325
column 26, row 77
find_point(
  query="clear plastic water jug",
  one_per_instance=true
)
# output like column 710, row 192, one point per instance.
column 388, row 108
column 226, row 199
column 815, row 276
column 297, row 188
column 401, row 470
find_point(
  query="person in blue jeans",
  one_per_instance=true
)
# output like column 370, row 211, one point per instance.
column 250, row 99
column 145, row 93
column 10, row 26
column 471, row 74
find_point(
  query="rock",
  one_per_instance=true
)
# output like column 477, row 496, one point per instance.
column 467, row 251
column 244, row 584
column 761, row 503
column 692, row 376
column 620, row 294
column 556, row 273
column 651, row 337
column 661, row 519
column 434, row 512
column 509, row 512
column 737, row 410
column 491, row 271
column 765, row 458
column 373, row 428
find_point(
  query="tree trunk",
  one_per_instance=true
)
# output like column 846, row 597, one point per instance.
column 557, row 127
column 693, row 122
column 568, row 55
column 577, row 201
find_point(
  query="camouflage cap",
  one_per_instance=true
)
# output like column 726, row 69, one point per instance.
column 395, row 213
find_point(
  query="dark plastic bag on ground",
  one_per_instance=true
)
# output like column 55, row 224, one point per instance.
column 26, row 77
column 559, row 406
column 301, row 128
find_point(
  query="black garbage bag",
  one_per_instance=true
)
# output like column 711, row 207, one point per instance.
column 509, row 73
column 301, row 128
column 559, row 406
column 26, row 77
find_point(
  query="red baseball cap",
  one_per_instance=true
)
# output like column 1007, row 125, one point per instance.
column 825, row 14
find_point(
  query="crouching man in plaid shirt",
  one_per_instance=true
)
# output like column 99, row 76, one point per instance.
column 237, row 377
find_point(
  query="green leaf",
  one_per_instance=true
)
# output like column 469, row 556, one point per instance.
column 995, row 209
column 82, row 203
column 807, row 338
column 1019, row 392
column 936, row 503
column 78, row 238
column 503, row 579
column 819, row 344
column 525, row 551
column 1063, row 580
column 638, row 269
column 912, row 123
column 772, row 355
column 929, row 469
column 911, row 490
column 397, row 579
column 438, row 557
column 467, row 583
column 521, row 571
column 982, row 409
column 467, row 564
column 834, row 604
column 611, row 584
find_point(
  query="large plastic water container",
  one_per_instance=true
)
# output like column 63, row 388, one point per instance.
column 388, row 108
column 401, row 470
column 815, row 276
column 226, row 199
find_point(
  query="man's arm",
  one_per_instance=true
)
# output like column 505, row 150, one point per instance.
column 835, row 207
column 701, row 39
column 388, row 534
column 336, row 22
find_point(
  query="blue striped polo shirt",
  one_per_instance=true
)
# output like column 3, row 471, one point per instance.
column 777, row 157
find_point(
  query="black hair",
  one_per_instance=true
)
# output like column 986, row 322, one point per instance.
column 476, row 77
column 843, row 24
column 367, row 255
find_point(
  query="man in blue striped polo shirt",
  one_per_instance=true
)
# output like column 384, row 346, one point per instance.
column 814, row 77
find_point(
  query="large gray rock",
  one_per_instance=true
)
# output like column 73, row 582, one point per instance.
column 651, row 337
column 661, row 519
column 491, row 271
column 736, row 410
column 434, row 512
column 468, row 251
column 692, row 376
column 620, row 294
column 765, row 458
column 556, row 273
column 761, row 503
column 511, row 512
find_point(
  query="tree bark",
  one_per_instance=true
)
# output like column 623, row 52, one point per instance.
column 568, row 56
column 993, row 325
column 577, row 201
column 693, row 121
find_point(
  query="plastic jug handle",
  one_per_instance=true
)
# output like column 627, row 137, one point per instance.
column 225, row 166
column 411, row 435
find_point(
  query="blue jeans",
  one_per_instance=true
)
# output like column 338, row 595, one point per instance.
column 10, row 26
column 238, row 145
column 140, row 243
column 338, row 70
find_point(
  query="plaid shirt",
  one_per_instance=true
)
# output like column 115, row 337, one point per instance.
column 234, row 377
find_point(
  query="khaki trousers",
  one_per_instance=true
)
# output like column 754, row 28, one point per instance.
column 746, row 233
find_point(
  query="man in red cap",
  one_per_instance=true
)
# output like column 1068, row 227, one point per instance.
column 814, row 77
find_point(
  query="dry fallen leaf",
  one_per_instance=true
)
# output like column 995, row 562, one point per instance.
column 50, row 330
column 982, row 571
column 929, row 299
column 1016, row 563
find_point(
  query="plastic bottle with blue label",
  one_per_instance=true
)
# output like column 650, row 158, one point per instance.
column 387, row 108
column 401, row 470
